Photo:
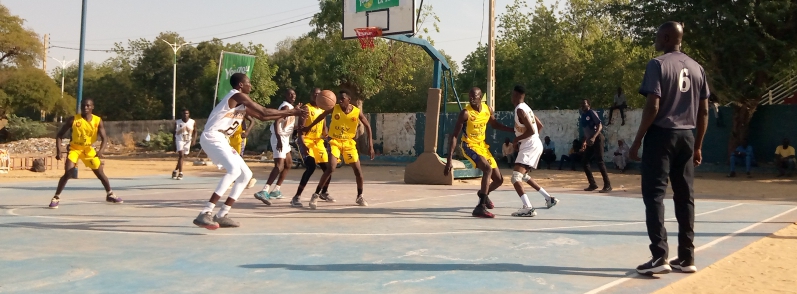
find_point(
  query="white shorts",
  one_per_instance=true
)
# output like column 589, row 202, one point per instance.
column 286, row 146
column 222, row 154
column 530, row 152
column 183, row 147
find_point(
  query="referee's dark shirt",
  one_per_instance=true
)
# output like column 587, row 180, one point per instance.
column 681, row 84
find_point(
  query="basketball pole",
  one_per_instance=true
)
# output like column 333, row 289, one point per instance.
column 491, row 58
column 80, row 65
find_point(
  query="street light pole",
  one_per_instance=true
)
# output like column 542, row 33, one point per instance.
column 63, row 63
column 175, row 47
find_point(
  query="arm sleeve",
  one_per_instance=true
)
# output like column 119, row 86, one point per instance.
column 704, row 90
column 651, row 82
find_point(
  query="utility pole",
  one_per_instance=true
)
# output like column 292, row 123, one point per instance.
column 44, row 67
column 175, row 47
column 44, row 58
column 491, row 58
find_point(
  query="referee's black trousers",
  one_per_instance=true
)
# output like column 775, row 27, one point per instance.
column 668, row 153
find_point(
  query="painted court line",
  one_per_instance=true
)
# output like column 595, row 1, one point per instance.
column 707, row 245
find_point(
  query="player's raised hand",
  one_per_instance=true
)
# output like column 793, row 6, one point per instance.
column 299, row 111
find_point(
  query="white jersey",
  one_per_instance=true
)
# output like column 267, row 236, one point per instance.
column 223, row 120
column 183, row 130
column 288, row 124
column 520, row 128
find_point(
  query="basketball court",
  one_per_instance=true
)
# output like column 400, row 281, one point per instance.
column 412, row 238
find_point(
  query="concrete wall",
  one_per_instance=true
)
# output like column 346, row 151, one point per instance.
column 140, row 128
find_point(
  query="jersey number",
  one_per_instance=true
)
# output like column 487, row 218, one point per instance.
column 684, row 83
column 232, row 129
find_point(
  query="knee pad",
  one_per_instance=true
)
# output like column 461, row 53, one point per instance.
column 517, row 177
column 526, row 177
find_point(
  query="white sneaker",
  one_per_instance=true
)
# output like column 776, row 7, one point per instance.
column 551, row 202
column 314, row 201
column 251, row 183
column 525, row 212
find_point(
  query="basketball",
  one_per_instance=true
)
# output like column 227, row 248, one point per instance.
column 326, row 100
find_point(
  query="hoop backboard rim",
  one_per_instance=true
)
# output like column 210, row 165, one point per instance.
column 347, row 32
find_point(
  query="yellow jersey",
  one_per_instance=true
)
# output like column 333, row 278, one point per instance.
column 344, row 126
column 476, row 125
column 317, row 131
column 84, row 133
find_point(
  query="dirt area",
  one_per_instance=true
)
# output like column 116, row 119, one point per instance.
column 764, row 266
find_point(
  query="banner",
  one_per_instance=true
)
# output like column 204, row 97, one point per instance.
column 369, row 5
column 229, row 64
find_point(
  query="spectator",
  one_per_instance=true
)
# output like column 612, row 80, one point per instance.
column 784, row 159
column 620, row 104
column 548, row 151
column 621, row 155
column 509, row 151
column 744, row 151
column 714, row 104
column 573, row 156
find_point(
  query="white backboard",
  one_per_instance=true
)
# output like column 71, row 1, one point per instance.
column 394, row 17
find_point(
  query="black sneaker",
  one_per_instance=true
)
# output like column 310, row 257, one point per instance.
column 481, row 211
column 656, row 266
column 296, row 202
column 732, row 175
column 591, row 188
column 606, row 189
column 683, row 265
column 174, row 175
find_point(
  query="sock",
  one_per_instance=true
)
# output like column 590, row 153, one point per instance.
column 109, row 193
column 544, row 194
column 57, row 196
column 209, row 207
column 525, row 199
column 266, row 188
column 225, row 209
column 277, row 188
column 175, row 170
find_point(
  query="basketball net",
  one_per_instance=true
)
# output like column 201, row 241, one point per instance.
column 367, row 35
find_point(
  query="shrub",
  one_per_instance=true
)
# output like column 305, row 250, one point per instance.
column 162, row 140
column 21, row 128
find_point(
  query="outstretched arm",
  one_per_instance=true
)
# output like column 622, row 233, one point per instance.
column 317, row 120
column 262, row 113
column 301, row 121
column 452, row 141
column 61, row 133
column 497, row 125
column 367, row 127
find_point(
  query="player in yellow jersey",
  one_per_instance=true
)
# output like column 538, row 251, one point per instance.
column 85, row 129
column 238, row 139
column 475, row 118
column 345, row 119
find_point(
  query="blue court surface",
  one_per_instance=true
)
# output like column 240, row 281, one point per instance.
column 411, row 239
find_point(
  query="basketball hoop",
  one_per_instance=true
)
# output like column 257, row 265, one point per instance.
column 367, row 35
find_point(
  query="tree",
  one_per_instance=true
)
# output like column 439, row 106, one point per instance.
column 18, row 46
column 28, row 90
column 744, row 47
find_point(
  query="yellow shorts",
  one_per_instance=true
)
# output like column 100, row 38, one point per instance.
column 345, row 147
column 237, row 143
column 87, row 154
column 314, row 148
column 475, row 151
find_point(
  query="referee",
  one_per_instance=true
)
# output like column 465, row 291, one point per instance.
column 677, row 103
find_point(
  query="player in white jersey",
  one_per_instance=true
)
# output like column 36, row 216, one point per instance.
column 527, row 135
column 281, row 131
column 223, row 120
column 184, row 138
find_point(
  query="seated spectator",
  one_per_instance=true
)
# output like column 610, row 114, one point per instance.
column 548, row 151
column 621, row 155
column 743, row 152
column 784, row 159
column 508, row 150
column 574, row 156
column 619, row 103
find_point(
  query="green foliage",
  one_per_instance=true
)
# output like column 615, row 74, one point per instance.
column 19, row 47
column 161, row 141
column 561, row 59
column 21, row 128
column 29, row 90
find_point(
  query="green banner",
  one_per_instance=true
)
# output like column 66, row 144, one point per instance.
column 369, row 5
column 232, row 63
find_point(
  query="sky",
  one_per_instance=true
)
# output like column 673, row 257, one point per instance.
column 198, row 20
